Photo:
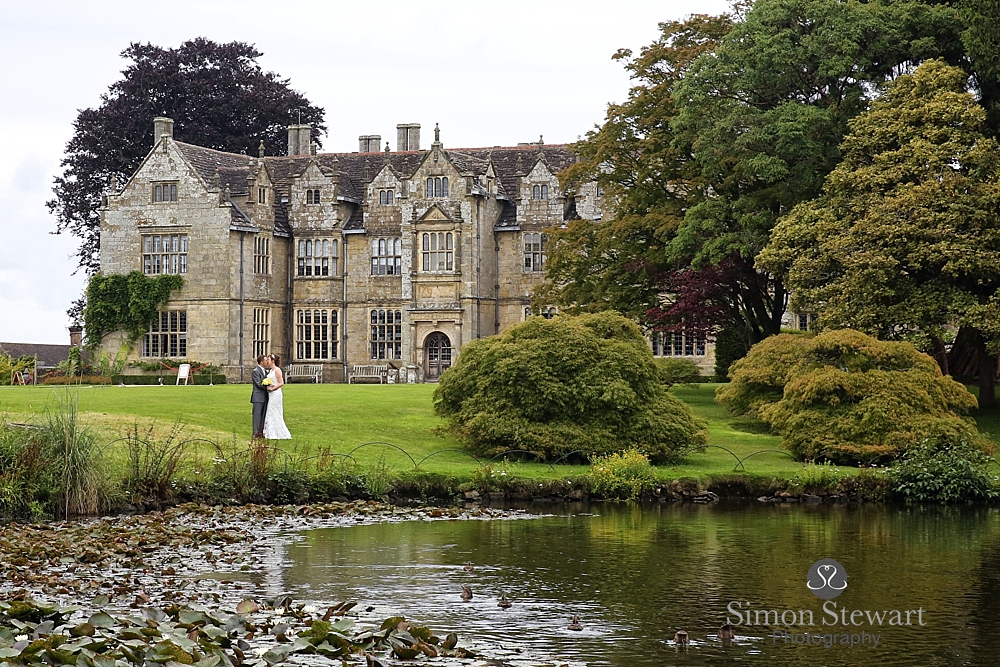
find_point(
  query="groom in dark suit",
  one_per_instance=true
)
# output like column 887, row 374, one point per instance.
column 259, row 396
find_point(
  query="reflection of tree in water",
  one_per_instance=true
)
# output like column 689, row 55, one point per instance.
column 640, row 573
column 985, row 607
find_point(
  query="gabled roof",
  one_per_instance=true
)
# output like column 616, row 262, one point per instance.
column 355, row 171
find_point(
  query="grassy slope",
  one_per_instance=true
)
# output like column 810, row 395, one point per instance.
column 344, row 416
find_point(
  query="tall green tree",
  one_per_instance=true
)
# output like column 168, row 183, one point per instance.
column 982, row 44
column 711, row 150
column 218, row 96
column 905, row 239
column 764, row 114
column 619, row 264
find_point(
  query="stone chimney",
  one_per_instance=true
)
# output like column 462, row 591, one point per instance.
column 369, row 143
column 305, row 140
column 293, row 140
column 408, row 137
column 162, row 126
column 76, row 331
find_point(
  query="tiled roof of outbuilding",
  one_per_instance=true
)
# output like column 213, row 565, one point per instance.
column 48, row 356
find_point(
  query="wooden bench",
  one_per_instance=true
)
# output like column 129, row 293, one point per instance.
column 378, row 372
column 312, row 371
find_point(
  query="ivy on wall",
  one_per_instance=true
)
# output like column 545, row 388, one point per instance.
column 124, row 302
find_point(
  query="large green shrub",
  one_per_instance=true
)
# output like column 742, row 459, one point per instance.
column 847, row 397
column 570, row 383
column 943, row 470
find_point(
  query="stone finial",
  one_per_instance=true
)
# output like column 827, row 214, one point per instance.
column 387, row 147
column 519, row 166
column 313, row 148
column 437, row 133
column 541, row 141
column 226, row 194
column 366, row 169
column 260, row 149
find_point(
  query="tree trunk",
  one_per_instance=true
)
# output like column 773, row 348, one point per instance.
column 941, row 355
column 987, row 378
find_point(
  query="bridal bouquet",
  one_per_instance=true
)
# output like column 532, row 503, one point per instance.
column 265, row 382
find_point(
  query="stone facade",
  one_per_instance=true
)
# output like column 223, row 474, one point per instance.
column 374, row 257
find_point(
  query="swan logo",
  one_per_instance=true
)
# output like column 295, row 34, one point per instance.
column 827, row 579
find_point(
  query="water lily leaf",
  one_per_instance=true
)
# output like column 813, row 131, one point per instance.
column 403, row 651
column 404, row 637
column 154, row 614
column 276, row 654
column 9, row 653
column 101, row 620
column 82, row 630
column 247, row 607
column 103, row 661
column 328, row 651
column 343, row 625
column 392, row 622
column 192, row 617
column 208, row 661
column 101, row 600
column 44, row 628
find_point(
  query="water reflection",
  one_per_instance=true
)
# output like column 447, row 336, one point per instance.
column 634, row 575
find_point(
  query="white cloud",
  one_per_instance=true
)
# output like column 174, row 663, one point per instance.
column 489, row 73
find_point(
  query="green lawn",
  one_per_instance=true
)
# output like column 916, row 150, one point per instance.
column 343, row 417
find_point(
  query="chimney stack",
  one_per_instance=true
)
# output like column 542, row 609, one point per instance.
column 76, row 334
column 305, row 139
column 162, row 126
column 369, row 143
column 299, row 139
column 408, row 137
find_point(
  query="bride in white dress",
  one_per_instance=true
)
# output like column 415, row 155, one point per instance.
column 274, row 418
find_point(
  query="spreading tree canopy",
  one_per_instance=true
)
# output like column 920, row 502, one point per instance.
column 583, row 384
column 905, row 240
column 218, row 96
column 734, row 120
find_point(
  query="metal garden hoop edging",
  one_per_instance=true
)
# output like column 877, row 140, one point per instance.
column 384, row 444
column 442, row 451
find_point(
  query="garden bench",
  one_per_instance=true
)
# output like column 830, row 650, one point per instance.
column 369, row 371
column 311, row 371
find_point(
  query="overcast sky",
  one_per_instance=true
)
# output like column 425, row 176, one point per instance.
column 493, row 73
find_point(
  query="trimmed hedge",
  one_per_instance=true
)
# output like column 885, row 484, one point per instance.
column 168, row 378
column 77, row 379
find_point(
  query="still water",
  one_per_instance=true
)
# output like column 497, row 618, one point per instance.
column 636, row 574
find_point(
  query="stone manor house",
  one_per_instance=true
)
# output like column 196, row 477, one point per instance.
column 338, row 260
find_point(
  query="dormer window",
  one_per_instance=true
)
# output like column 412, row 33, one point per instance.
column 164, row 192
column 385, row 197
column 436, row 187
column 540, row 192
column 312, row 196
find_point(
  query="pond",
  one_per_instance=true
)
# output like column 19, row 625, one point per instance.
column 636, row 574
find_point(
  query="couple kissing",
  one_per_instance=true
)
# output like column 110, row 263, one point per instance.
column 267, row 401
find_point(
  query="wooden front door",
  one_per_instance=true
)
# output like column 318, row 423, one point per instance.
column 437, row 357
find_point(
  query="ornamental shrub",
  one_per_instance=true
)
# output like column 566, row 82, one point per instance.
column 626, row 475
column 847, row 397
column 677, row 370
column 943, row 470
column 553, row 387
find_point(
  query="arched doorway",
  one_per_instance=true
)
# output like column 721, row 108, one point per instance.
column 437, row 355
